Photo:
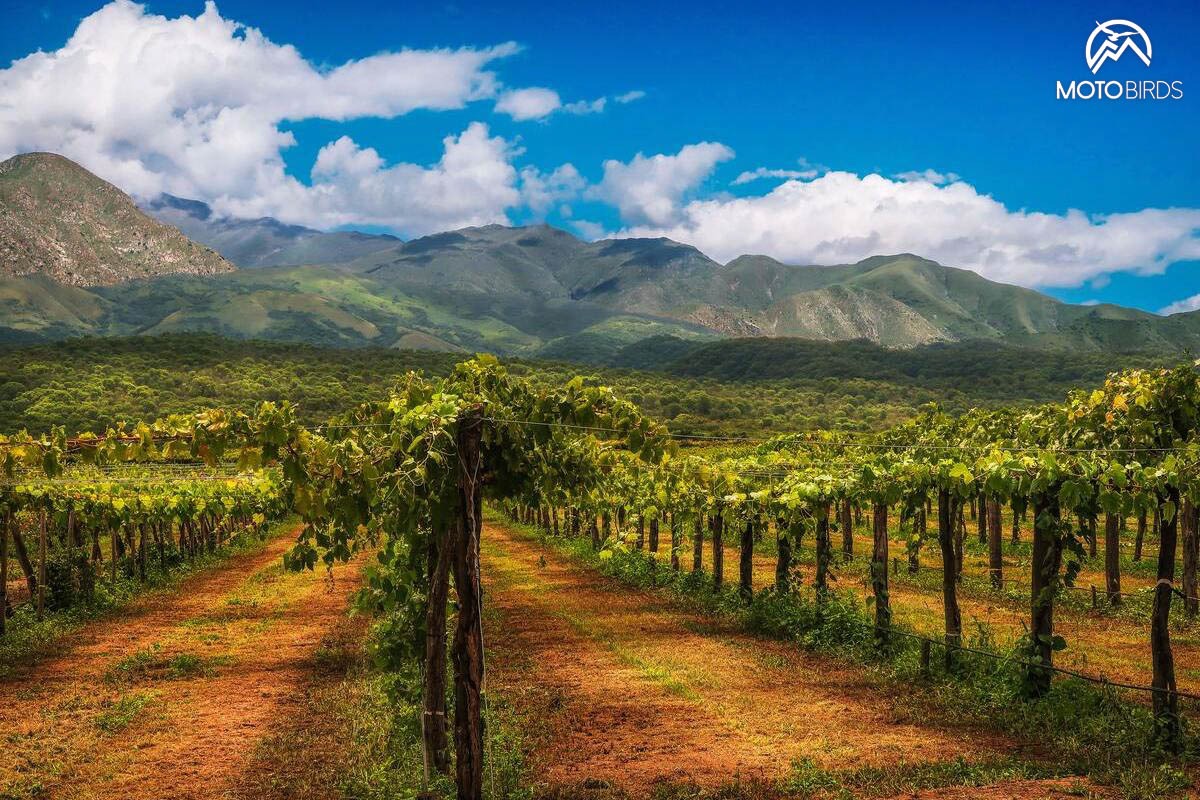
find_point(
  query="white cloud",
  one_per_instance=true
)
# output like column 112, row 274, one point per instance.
column 195, row 106
column 763, row 172
column 1180, row 306
column 629, row 97
column 536, row 102
column 842, row 217
column 473, row 183
column 586, row 106
column 650, row 189
column 589, row 230
column 540, row 190
column 928, row 176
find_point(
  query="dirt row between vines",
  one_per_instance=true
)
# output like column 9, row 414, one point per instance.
column 174, row 696
column 621, row 690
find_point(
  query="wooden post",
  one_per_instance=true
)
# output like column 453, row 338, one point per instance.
column 595, row 529
column 1190, row 541
column 960, row 531
column 1167, row 724
column 4, row 573
column 439, row 555
column 718, row 543
column 41, row 582
column 1016, row 523
column 995, row 548
column 983, row 519
column 676, row 541
column 1112, row 558
column 698, row 543
column 951, row 613
column 467, row 649
column 824, row 548
column 746, row 564
column 914, row 549
column 925, row 647
column 1141, row 534
column 879, row 577
column 1045, row 565
column 847, row 525
column 654, row 533
column 641, row 532
column 783, row 563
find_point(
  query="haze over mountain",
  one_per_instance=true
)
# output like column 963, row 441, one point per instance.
column 263, row 242
column 69, row 238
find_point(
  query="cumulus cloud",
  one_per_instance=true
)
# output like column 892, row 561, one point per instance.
column 473, row 183
column 1180, row 306
column 842, row 217
column 534, row 102
column 541, row 190
column 649, row 189
column 629, row 97
column 195, row 106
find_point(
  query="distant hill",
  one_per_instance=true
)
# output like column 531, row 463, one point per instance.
column 263, row 242
column 59, row 221
column 81, row 259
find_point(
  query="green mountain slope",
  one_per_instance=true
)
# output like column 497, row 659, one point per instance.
column 61, row 221
column 80, row 258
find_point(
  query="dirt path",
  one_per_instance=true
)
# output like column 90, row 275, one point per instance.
column 171, row 698
column 621, row 688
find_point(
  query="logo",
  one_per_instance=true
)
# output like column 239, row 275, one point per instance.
column 1111, row 39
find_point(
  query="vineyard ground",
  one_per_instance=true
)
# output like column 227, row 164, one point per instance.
column 622, row 693
column 177, row 696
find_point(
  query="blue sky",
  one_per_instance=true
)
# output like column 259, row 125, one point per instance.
column 862, row 88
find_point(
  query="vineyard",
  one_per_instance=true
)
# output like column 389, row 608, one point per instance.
column 853, row 543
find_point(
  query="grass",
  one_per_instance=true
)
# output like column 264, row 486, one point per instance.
column 28, row 639
column 148, row 663
column 120, row 713
column 1085, row 729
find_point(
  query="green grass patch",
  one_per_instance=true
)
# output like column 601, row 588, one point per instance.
column 118, row 714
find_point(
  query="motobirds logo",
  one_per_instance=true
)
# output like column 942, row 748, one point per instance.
column 1110, row 42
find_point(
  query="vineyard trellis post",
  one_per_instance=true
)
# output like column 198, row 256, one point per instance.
column 847, row 525
column 1045, row 563
column 1168, row 726
column 1190, row 542
column 1112, row 557
column 879, row 577
column 783, row 563
column 467, row 650
column 433, row 722
column 746, row 565
column 824, row 549
column 995, row 549
column 41, row 583
column 946, row 536
column 7, row 522
column 698, row 542
column 717, row 520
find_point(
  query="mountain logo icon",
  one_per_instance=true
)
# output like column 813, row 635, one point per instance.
column 1111, row 39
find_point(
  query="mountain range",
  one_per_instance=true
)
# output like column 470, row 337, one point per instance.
column 80, row 257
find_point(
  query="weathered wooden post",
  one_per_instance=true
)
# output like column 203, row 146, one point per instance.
column 467, row 648
column 951, row 613
column 995, row 547
column 1112, row 558
column 1167, row 723
column 879, row 577
column 746, row 563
